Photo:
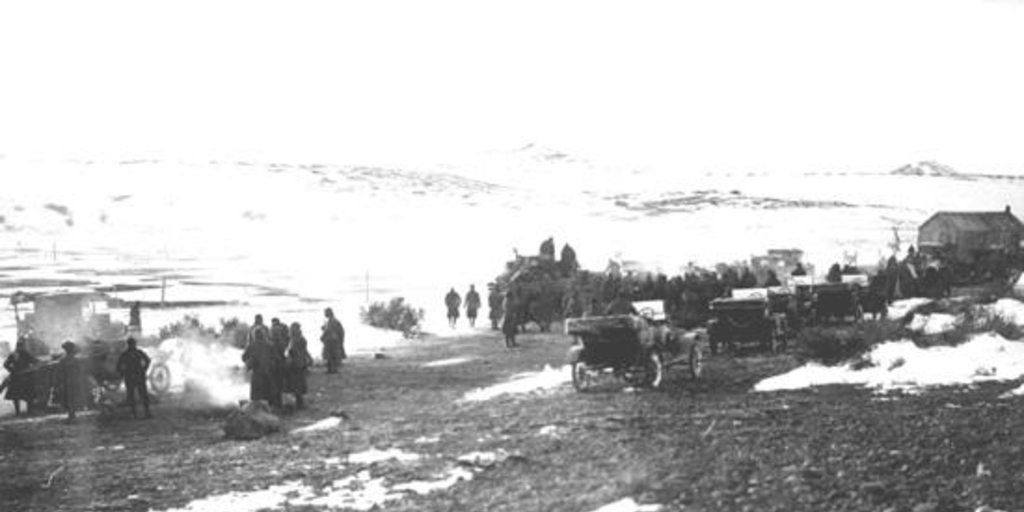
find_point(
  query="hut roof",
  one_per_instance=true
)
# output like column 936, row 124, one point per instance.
column 980, row 221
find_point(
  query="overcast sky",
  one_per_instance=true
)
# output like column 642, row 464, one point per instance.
column 695, row 86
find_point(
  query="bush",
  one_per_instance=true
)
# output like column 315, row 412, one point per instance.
column 188, row 327
column 834, row 345
column 395, row 315
column 232, row 331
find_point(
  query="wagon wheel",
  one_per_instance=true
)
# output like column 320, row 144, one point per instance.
column 159, row 378
column 580, row 375
column 654, row 369
column 696, row 361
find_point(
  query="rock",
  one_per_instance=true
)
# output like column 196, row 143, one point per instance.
column 380, row 355
column 252, row 421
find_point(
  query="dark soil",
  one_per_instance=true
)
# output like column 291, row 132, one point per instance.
column 705, row 445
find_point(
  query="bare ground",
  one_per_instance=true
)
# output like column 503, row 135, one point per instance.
column 705, row 445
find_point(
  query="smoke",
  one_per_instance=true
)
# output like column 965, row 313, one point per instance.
column 205, row 372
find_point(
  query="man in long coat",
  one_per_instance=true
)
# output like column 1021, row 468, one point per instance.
column 472, row 305
column 333, row 338
column 265, row 362
column 452, row 301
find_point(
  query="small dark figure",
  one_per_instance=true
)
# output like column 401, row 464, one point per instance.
column 568, row 261
column 132, row 366
column 72, row 385
column 19, row 385
column 620, row 306
column 510, row 324
column 472, row 305
column 495, row 305
column 279, row 339
column 265, row 362
column 279, row 334
column 452, row 301
column 835, row 274
column 135, row 319
column 799, row 270
column 258, row 325
column 772, row 279
column 297, row 365
column 333, row 338
column 547, row 249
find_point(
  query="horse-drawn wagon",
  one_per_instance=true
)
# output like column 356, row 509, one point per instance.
column 637, row 348
column 78, row 316
column 749, row 316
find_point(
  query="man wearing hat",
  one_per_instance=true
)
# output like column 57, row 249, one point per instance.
column 132, row 366
column 73, row 387
column 333, row 338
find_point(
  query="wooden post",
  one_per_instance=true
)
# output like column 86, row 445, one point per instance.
column 163, row 290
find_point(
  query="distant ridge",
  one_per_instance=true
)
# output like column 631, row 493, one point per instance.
column 929, row 168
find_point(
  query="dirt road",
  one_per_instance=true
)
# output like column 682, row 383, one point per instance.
column 409, row 435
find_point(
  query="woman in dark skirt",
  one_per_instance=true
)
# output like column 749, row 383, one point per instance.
column 19, row 383
column 297, row 365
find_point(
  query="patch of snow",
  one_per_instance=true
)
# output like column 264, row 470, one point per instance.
column 935, row 323
column 1011, row 310
column 427, row 440
column 522, row 383
column 447, row 362
column 452, row 477
column 374, row 455
column 1014, row 392
column 483, row 459
column 901, row 308
column 324, row 424
column 628, row 505
column 902, row 365
column 252, row 501
column 551, row 430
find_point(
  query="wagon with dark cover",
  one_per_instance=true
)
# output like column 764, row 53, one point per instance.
column 836, row 302
column 637, row 348
column 745, row 319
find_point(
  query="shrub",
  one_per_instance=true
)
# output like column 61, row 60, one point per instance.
column 834, row 345
column 188, row 327
column 395, row 315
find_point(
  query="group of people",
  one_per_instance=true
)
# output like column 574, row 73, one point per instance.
column 279, row 359
column 72, row 388
column 453, row 302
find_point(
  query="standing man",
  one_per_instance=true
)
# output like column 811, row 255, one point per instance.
column 132, row 366
column 19, row 385
column 297, row 363
column 472, row 305
column 495, row 306
column 452, row 301
column 510, row 323
column 72, row 384
column 264, row 361
column 333, row 338
column 279, row 339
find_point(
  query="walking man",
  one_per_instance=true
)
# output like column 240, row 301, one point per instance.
column 452, row 301
column 72, row 384
column 333, row 338
column 472, row 305
column 132, row 366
